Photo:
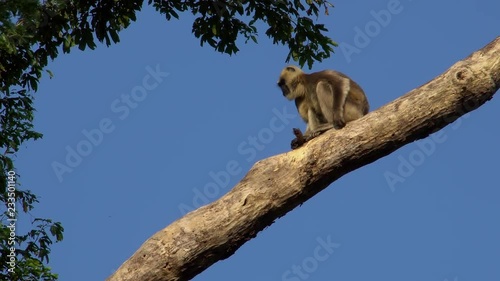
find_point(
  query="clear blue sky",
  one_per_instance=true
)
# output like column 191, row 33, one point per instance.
column 159, row 148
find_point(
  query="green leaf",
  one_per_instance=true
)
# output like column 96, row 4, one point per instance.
column 114, row 35
column 173, row 13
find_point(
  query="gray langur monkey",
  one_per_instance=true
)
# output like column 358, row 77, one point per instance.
column 325, row 99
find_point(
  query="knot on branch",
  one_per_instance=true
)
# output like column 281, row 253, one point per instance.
column 462, row 75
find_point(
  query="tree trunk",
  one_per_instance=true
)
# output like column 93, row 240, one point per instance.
column 276, row 185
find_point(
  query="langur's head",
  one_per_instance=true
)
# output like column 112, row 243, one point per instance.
column 288, row 81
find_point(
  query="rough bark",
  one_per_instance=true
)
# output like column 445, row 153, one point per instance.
column 276, row 185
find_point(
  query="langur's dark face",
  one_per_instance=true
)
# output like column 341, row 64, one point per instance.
column 284, row 88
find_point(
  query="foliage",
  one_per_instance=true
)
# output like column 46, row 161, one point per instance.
column 220, row 22
column 32, row 32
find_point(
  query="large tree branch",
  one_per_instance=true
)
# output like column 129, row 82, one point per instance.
column 276, row 185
